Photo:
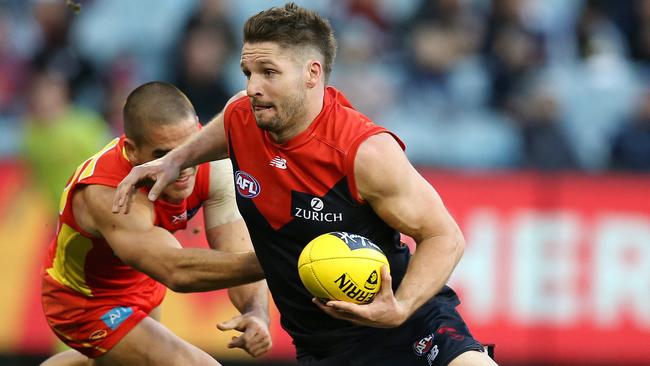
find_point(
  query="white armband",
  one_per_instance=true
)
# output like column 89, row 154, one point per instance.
column 221, row 206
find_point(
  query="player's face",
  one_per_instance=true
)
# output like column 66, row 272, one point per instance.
column 160, row 141
column 276, row 85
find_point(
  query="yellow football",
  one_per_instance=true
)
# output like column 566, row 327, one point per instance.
column 342, row 266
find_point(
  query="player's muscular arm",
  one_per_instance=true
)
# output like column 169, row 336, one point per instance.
column 406, row 202
column 156, row 252
column 226, row 231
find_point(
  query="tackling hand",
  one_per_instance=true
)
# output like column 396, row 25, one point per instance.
column 160, row 171
column 255, row 338
column 385, row 311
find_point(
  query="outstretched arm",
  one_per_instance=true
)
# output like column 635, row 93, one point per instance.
column 156, row 252
column 408, row 203
column 251, row 300
column 206, row 145
column 227, row 232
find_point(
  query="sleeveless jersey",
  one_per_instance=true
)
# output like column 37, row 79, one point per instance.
column 86, row 265
column 290, row 193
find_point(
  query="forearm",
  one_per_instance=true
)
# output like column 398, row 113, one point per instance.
column 252, row 298
column 196, row 270
column 429, row 269
column 202, row 147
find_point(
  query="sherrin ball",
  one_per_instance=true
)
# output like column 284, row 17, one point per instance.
column 342, row 266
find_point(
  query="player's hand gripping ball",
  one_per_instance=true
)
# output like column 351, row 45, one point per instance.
column 342, row 266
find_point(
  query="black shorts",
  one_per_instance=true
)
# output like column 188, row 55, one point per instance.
column 435, row 340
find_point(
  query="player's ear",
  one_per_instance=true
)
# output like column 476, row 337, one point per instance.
column 314, row 73
column 131, row 151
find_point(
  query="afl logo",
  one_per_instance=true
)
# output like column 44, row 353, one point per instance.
column 423, row 346
column 316, row 204
column 247, row 186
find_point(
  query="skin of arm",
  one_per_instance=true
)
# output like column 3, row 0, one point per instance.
column 155, row 251
column 405, row 201
column 226, row 231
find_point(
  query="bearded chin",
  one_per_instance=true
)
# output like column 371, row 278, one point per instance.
column 270, row 125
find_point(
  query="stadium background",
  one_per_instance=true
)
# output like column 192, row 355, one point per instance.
column 530, row 117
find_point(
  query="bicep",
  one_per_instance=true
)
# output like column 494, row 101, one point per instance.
column 399, row 195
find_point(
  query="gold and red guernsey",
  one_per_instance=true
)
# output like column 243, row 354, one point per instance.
column 86, row 265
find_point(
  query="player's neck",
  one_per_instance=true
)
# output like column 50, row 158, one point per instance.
column 312, row 108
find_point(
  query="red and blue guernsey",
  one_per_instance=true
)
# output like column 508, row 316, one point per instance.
column 290, row 193
column 91, row 299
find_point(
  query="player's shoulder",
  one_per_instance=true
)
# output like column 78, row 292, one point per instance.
column 378, row 147
column 94, row 197
column 344, row 126
column 108, row 166
column 343, row 113
column 238, row 101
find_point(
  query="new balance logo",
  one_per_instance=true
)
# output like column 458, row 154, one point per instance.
column 279, row 163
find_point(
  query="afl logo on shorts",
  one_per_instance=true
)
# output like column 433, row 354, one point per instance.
column 247, row 186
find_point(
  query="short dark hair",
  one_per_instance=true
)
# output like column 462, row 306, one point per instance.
column 292, row 26
column 153, row 104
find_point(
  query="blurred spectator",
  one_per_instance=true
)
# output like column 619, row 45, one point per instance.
column 212, row 12
column 632, row 18
column 202, row 53
column 359, row 58
column 640, row 34
column 12, row 71
column 545, row 145
column 598, row 90
column 55, row 52
column 58, row 135
column 205, row 49
column 631, row 145
column 440, row 60
column 595, row 27
column 12, row 83
column 370, row 10
column 512, row 48
column 122, row 78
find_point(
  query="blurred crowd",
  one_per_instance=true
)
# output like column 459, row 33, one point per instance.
column 468, row 84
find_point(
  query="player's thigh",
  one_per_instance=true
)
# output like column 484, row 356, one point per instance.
column 150, row 343
column 67, row 358
column 473, row 358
